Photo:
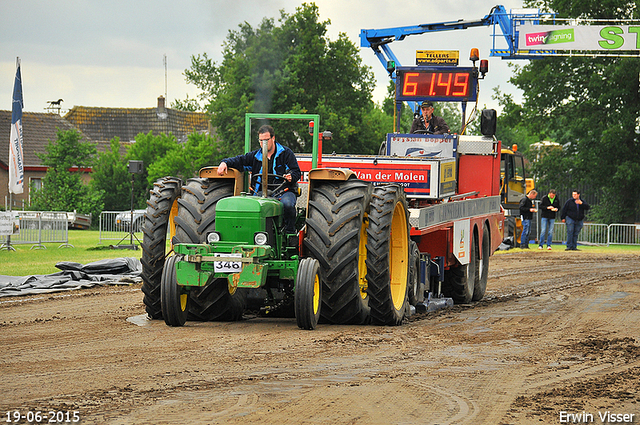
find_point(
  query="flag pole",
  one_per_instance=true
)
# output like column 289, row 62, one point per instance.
column 15, row 152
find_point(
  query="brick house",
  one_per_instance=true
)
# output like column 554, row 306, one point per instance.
column 38, row 129
column 97, row 125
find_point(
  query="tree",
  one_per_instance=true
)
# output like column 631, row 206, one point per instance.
column 62, row 188
column 185, row 159
column 148, row 149
column 591, row 106
column 111, row 178
column 452, row 114
column 512, row 128
column 290, row 68
column 189, row 104
column 389, row 109
column 161, row 155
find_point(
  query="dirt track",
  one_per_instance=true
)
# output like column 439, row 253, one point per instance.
column 556, row 332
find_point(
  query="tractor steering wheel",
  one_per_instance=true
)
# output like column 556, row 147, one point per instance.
column 423, row 132
column 273, row 189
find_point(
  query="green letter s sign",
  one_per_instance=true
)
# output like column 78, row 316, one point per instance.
column 615, row 41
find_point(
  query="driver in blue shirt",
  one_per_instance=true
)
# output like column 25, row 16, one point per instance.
column 281, row 161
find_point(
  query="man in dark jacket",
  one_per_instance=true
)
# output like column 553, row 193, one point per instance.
column 573, row 213
column 427, row 122
column 281, row 161
column 526, row 212
column 548, row 208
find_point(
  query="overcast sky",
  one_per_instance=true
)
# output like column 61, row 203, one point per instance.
column 110, row 53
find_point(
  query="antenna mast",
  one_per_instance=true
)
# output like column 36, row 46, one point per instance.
column 164, row 61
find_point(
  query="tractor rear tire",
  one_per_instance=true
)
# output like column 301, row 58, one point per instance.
column 388, row 255
column 483, row 266
column 308, row 295
column 336, row 237
column 460, row 281
column 157, row 222
column 175, row 299
column 195, row 220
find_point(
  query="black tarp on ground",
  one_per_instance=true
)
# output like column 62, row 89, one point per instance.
column 115, row 271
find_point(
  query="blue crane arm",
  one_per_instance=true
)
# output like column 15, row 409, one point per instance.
column 377, row 37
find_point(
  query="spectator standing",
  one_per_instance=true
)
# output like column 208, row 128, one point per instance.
column 573, row 214
column 548, row 208
column 526, row 212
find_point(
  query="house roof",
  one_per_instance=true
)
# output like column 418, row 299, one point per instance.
column 38, row 128
column 97, row 125
column 103, row 124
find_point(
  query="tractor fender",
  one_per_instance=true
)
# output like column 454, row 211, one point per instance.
column 342, row 174
column 211, row 172
column 318, row 175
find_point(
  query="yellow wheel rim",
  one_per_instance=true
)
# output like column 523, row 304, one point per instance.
column 172, row 225
column 399, row 256
column 183, row 301
column 316, row 294
column 362, row 258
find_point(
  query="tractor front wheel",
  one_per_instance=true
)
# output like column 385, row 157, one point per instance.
column 174, row 298
column 308, row 295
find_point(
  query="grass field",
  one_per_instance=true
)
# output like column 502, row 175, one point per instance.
column 26, row 261
column 614, row 249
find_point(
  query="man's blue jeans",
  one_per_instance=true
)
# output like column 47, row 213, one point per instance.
column 524, row 238
column 573, row 230
column 288, row 200
column 546, row 230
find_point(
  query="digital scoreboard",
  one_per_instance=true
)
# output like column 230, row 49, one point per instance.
column 436, row 83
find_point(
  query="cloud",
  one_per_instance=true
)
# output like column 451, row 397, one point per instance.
column 110, row 53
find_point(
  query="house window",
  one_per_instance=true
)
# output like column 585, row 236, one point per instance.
column 35, row 183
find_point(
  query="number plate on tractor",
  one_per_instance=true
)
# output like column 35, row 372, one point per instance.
column 228, row 266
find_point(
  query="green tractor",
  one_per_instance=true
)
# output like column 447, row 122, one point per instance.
column 348, row 264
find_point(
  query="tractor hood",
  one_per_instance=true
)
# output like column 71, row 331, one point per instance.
column 239, row 217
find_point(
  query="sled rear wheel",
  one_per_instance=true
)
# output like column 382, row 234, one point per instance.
column 416, row 288
column 459, row 282
column 483, row 266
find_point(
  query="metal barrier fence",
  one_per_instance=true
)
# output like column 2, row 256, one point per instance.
column 38, row 227
column 626, row 234
column 114, row 226
column 601, row 234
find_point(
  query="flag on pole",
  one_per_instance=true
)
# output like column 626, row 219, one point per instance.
column 16, row 163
